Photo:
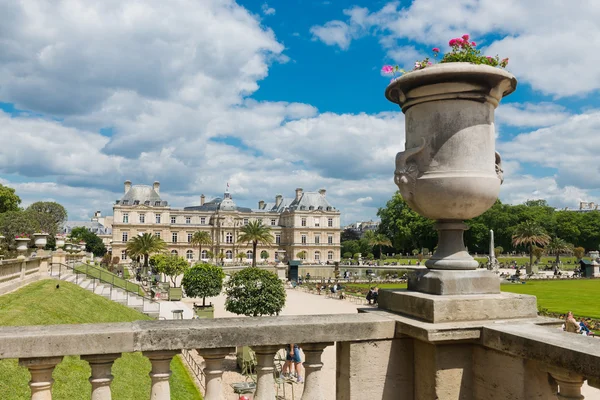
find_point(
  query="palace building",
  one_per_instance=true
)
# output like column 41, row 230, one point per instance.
column 306, row 226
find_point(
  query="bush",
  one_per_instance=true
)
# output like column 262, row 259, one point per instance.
column 254, row 292
column 203, row 280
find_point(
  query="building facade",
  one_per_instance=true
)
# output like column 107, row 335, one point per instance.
column 305, row 226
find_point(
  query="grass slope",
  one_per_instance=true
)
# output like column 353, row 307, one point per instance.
column 42, row 304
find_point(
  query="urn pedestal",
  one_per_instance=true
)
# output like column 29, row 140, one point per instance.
column 450, row 170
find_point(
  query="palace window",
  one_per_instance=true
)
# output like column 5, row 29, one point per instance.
column 303, row 222
column 157, row 234
column 142, row 218
column 330, row 255
column 190, row 237
column 277, row 238
column 157, row 218
column 229, row 255
column 125, row 236
column 273, row 222
column 317, row 239
column 317, row 222
column 174, row 253
column 188, row 220
column 330, row 222
column 317, row 255
column 123, row 255
column 173, row 220
column 204, row 255
column 174, row 237
column 125, row 218
column 303, row 239
column 330, row 239
column 203, row 220
column 249, row 255
column 189, row 255
column 229, row 238
column 245, row 221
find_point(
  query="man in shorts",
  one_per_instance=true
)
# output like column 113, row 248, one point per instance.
column 292, row 355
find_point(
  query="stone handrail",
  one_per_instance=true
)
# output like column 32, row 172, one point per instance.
column 15, row 273
column 41, row 348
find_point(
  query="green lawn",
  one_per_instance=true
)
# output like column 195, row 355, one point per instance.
column 40, row 303
column 582, row 296
column 107, row 276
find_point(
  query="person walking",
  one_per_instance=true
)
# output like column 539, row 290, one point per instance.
column 293, row 357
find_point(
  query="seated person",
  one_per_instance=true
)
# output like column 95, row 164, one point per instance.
column 571, row 325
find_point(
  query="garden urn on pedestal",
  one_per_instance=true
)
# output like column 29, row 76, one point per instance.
column 60, row 242
column 22, row 243
column 82, row 246
column 450, row 170
column 68, row 246
column 40, row 240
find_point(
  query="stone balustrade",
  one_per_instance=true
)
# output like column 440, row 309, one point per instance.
column 380, row 355
column 17, row 272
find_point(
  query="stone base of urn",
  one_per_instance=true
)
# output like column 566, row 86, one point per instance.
column 454, row 282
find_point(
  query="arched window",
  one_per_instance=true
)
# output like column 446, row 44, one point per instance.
column 229, row 255
column 249, row 255
column 204, row 255
column 330, row 255
column 189, row 255
column 174, row 253
column 317, row 255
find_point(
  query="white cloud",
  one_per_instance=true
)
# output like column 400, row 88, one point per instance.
column 544, row 39
column 267, row 10
column 531, row 114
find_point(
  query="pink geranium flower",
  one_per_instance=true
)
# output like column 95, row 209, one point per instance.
column 473, row 44
column 465, row 37
column 387, row 69
column 435, row 50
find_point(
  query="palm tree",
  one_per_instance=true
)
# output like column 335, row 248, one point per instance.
column 144, row 245
column 557, row 246
column 529, row 233
column 379, row 240
column 200, row 238
column 255, row 232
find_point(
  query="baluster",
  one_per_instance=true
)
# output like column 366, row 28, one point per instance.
column 41, row 375
column 265, row 367
column 313, row 381
column 569, row 384
column 213, row 371
column 101, row 377
column 160, row 373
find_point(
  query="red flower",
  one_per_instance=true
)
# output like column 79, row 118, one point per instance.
column 465, row 37
column 473, row 44
column 435, row 50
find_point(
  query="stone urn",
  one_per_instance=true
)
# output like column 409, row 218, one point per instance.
column 22, row 244
column 68, row 246
column 450, row 170
column 40, row 240
column 82, row 246
column 60, row 242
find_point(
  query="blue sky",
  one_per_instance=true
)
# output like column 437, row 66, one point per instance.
column 270, row 96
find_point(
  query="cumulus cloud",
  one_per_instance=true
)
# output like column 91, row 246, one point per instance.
column 267, row 10
column 531, row 114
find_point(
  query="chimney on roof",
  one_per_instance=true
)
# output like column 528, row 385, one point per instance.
column 156, row 186
column 202, row 198
column 322, row 192
column 127, row 185
column 278, row 200
column 261, row 204
column 298, row 193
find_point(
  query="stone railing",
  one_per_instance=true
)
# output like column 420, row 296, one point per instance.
column 17, row 272
column 40, row 349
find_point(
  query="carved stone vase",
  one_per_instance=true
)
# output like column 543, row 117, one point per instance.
column 450, row 170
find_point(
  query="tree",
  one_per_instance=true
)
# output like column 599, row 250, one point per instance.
column 9, row 201
column 558, row 246
column 144, row 245
column 254, row 292
column 221, row 256
column 27, row 222
column 170, row 265
column 200, row 238
column 210, row 255
column 93, row 243
column 56, row 211
column 301, row 255
column 538, row 252
column 264, row 255
column 579, row 252
column 203, row 280
column 498, row 251
column 241, row 256
column 347, row 255
column 381, row 240
column 529, row 233
column 349, row 234
column 255, row 232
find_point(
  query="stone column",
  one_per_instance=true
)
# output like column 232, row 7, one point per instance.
column 213, row 371
column 313, row 381
column 41, row 375
column 569, row 384
column 265, row 384
column 101, row 378
column 160, row 373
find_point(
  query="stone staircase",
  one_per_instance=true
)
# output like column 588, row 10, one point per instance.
column 108, row 291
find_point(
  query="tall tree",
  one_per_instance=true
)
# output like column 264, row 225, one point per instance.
column 144, row 245
column 379, row 240
column 255, row 232
column 349, row 234
column 55, row 210
column 9, row 200
column 93, row 243
column 558, row 246
column 201, row 238
column 529, row 233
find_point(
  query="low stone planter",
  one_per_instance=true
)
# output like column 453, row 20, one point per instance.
column 204, row 312
column 175, row 293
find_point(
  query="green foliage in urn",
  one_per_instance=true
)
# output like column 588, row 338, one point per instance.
column 203, row 280
column 170, row 265
column 254, row 292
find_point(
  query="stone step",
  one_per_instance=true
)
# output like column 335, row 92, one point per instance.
column 68, row 278
column 152, row 314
